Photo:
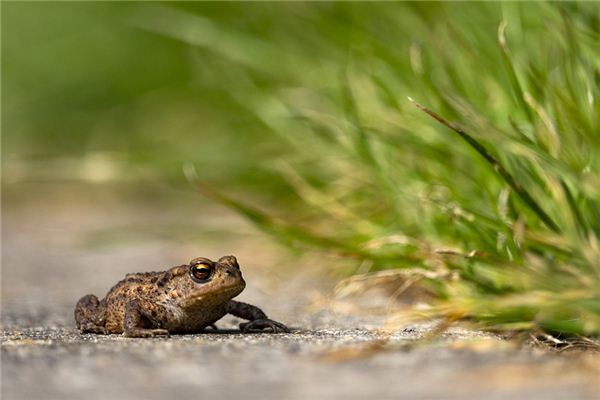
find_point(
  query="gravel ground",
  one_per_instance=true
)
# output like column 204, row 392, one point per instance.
column 58, row 363
column 56, row 249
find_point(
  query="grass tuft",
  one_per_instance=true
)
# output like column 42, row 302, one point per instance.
column 517, row 221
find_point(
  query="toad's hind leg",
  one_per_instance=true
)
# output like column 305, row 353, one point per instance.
column 89, row 316
column 137, row 313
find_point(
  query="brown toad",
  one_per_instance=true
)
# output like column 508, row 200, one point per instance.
column 184, row 299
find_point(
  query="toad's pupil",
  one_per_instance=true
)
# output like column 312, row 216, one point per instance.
column 201, row 271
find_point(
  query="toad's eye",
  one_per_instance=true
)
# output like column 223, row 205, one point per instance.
column 201, row 272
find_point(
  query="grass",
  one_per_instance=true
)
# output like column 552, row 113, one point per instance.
column 300, row 115
column 507, row 178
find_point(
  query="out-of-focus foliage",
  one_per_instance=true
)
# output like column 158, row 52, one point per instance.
column 311, row 99
column 90, row 94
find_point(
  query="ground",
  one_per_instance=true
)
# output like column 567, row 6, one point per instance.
column 62, row 241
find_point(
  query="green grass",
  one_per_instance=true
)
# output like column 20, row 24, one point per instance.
column 501, row 165
column 300, row 114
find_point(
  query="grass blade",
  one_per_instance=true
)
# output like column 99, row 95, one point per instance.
column 510, row 180
column 514, row 80
column 283, row 230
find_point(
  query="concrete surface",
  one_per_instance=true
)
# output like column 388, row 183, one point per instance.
column 65, row 242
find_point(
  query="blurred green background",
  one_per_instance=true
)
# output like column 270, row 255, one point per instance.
column 96, row 92
column 103, row 91
column 296, row 115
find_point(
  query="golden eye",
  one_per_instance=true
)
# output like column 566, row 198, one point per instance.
column 200, row 272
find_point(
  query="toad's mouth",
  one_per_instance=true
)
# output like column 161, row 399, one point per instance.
column 224, row 293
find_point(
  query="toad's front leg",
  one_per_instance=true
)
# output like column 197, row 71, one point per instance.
column 89, row 315
column 136, row 313
column 258, row 320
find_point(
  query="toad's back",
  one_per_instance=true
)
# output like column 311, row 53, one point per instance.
column 140, row 287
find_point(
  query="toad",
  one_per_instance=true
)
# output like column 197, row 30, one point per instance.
column 184, row 299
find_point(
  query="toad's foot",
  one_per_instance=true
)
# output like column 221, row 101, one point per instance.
column 259, row 325
column 90, row 327
column 146, row 333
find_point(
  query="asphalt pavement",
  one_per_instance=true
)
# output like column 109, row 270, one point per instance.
column 66, row 242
